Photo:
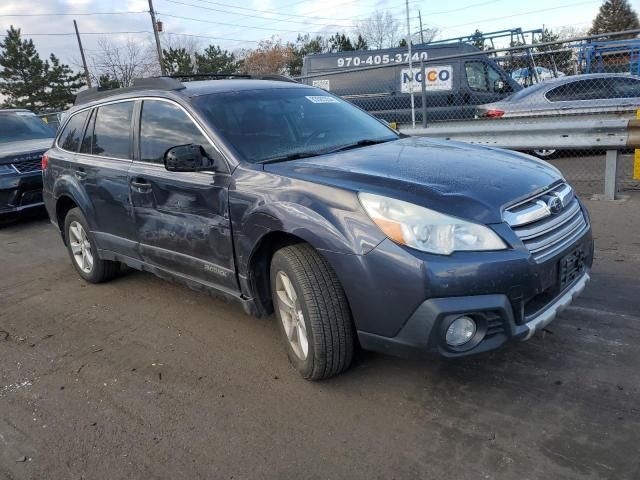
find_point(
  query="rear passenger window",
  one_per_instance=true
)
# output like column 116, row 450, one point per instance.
column 165, row 125
column 112, row 130
column 72, row 133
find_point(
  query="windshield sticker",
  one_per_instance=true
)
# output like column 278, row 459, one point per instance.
column 320, row 99
column 26, row 114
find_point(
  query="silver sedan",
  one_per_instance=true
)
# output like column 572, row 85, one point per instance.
column 577, row 94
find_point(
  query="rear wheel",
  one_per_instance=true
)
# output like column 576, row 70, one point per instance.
column 83, row 251
column 545, row 153
column 312, row 311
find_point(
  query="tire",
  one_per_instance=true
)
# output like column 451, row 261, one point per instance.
column 545, row 154
column 79, row 241
column 326, row 317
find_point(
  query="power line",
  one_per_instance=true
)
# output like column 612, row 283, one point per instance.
column 236, row 13
column 524, row 13
column 212, row 38
column 56, row 14
column 73, row 33
column 242, row 26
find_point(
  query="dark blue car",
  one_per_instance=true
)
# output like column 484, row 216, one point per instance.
column 23, row 140
column 289, row 199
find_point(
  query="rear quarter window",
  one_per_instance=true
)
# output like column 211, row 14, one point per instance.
column 72, row 132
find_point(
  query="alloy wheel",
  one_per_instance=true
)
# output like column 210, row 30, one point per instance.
column 291, row 315
column 80, row 247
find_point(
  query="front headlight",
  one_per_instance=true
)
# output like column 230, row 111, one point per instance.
column 427, row 230
column 6, row 170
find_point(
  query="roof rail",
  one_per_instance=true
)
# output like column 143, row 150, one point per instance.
column 227, row 76
column 151, row 83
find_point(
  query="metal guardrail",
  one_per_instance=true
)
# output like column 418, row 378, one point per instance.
column 612, row 134
column 578, row 132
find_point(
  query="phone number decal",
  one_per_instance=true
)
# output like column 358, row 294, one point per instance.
column 380, row 59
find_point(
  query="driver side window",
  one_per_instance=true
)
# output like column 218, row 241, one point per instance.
column 164, row 125
column 476, row 78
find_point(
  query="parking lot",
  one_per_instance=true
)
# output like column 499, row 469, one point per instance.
column 140, row 378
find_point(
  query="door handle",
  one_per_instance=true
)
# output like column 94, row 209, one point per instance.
column 141, row 185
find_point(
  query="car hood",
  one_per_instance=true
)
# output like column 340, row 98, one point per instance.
column 12, row 151
column 467, row 181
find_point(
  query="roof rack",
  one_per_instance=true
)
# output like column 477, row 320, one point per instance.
column 227, row 76
column 168, row 82
column 151, row 83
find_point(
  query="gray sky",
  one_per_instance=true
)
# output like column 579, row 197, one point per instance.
column 234, row 25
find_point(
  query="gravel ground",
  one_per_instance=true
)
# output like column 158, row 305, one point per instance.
column 144, row 379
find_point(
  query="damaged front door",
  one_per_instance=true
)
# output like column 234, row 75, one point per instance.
column 182, row 218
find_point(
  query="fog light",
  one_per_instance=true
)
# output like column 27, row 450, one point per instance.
column 461, row 330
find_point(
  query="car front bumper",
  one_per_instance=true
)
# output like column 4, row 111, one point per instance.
column 20, row 192
column 403, row 301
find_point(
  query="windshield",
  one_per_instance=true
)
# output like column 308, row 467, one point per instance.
column 16, row 126
column 284, row 123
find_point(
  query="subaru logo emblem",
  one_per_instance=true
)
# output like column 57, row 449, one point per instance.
column 554, row 204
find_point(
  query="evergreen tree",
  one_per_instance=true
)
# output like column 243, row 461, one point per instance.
column 62, row 85
column 615, row 16
column 106, row 82
column 477, row 40
column 23, row 76
column 361, row 43
column 340, row 43
column 561, row 60
column 303, row 46
column 29, row 82
column 402, row 43
column 177, row 61
column 215, row 60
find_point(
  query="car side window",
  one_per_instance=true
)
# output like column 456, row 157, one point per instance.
column 112, row 130
column 85, row 146
column 626, row 87
column 164, row 125
column 494, row 77
column 592, row 89
column 476, row 78
column 72, row 133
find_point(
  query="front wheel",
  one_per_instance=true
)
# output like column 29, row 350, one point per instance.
column 312, row 311
column 83, row 250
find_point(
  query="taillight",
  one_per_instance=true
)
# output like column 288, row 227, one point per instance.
column 44, row 161
column 493, row 113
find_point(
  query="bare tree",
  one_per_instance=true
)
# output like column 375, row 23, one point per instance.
column 380, row 30
column 124, row 63
column 429, row 34
column 271, row 56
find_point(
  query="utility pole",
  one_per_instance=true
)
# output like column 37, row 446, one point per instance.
column 413, row 102
column 155, row 33
column 84, row 60
column 421, row 31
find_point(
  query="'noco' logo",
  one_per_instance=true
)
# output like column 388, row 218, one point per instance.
column 431, row 75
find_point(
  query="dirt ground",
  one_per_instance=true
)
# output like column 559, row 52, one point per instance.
column 143, row 379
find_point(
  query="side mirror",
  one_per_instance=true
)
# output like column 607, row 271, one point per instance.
column 188, row 158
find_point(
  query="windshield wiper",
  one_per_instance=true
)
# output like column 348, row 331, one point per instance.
column 290, row 156
column 361, row 143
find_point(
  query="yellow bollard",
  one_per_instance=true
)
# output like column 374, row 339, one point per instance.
column 636, row 157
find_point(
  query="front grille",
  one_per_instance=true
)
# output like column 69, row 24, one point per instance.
column 28, row 166
column 547, row 228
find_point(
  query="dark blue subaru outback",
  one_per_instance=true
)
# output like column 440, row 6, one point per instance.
column 289, row 199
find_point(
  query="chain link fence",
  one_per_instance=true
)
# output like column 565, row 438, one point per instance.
column 457, row 84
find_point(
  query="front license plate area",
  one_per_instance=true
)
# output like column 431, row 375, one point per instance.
column 571, row 266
